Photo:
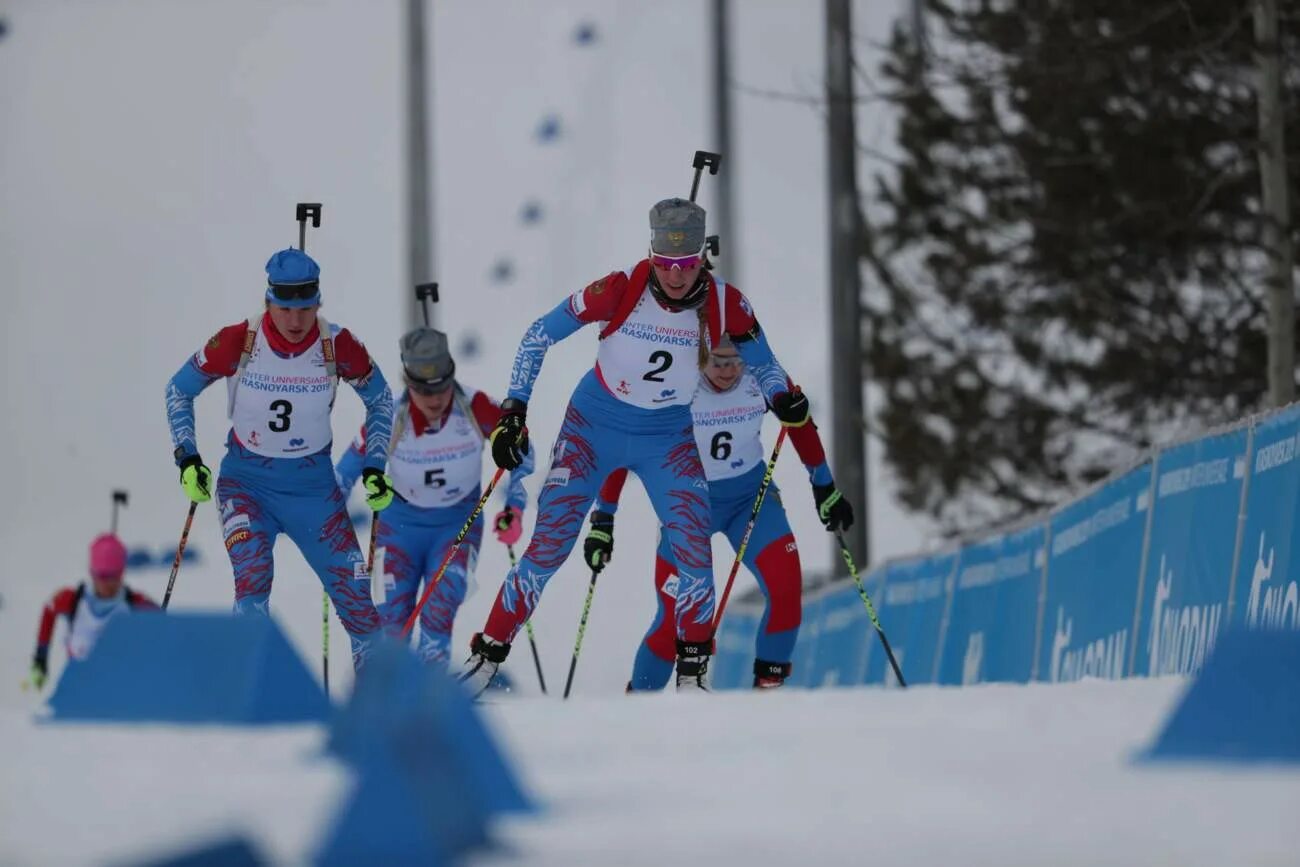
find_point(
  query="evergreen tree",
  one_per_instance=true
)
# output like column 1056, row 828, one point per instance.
column 1066, row 263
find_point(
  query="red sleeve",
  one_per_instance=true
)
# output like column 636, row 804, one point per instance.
column 808, row 444
column 599, row 301
column 805, row 439
column 740, row 315
column 220, row 355
column 612, row 489
column 351, row 356
column 486, row 412
column 60, row 603
column 140, row 601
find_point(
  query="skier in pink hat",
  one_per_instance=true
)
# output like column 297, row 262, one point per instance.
column 88, row 608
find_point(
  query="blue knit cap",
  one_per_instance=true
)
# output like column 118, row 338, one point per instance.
column 291, row 268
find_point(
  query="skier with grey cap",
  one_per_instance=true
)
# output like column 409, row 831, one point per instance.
column 436, row 464
column 658, row 320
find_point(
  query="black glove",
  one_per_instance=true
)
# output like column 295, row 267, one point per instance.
column 834, row 511
column 791, row 407
column 598, row 547
column 40, row 668
column 510, row 437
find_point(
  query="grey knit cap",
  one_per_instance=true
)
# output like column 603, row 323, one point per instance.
column 426, row 356
column 676, row 228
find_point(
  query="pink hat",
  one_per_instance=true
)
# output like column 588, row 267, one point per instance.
column 107, row 557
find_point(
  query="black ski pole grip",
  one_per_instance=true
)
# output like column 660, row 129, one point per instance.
column 309, row 210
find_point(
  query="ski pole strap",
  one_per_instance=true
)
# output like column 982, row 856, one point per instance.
column 451, row 552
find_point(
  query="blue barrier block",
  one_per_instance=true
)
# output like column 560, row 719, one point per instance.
column 385, row 820
column 139, row 557
column 232, row 852
column 426, row 722
column 1243, row 706
column 190, row 668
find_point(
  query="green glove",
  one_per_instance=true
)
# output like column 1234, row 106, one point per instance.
column 196, row 479
column 379, row 489
column 36, row 678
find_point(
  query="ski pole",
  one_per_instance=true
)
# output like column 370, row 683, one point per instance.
column 582, row 627
column 749, row 528
column 451, row 552
column 325, row 641
column 871, row 609
column 304, row 212
column 180, row 549
column 528, row 626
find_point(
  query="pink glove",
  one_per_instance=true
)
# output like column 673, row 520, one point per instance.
column 508, row 525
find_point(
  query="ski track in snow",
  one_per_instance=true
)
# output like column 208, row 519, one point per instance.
column 997, row 775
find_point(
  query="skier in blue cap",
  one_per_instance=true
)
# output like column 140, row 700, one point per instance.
column 282, row 368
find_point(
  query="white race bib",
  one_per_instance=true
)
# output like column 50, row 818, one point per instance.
column 438, row 468
column 280, row 407
column 652, row 360
column 729, row 428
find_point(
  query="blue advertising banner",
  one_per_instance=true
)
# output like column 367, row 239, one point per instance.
column 972, row 614
column 842, row 644
column 1265, row 593
column 910, row 609
column 1006, row 652
column 1189, row 554
column 1095, row 558
column 733, row 664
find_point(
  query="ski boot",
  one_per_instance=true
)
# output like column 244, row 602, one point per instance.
column 770, row 675
column 693, row 666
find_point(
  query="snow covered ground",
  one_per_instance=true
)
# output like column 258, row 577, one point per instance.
column 996, row 775
column 148, row 173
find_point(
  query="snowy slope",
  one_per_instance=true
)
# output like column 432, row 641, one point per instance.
column 150, row 156
column 989, row 775
column 148, row 173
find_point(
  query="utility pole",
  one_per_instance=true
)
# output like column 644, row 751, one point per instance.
column 723, row 221
column 418, row 177
column 1276, row 230
column 848, row 430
